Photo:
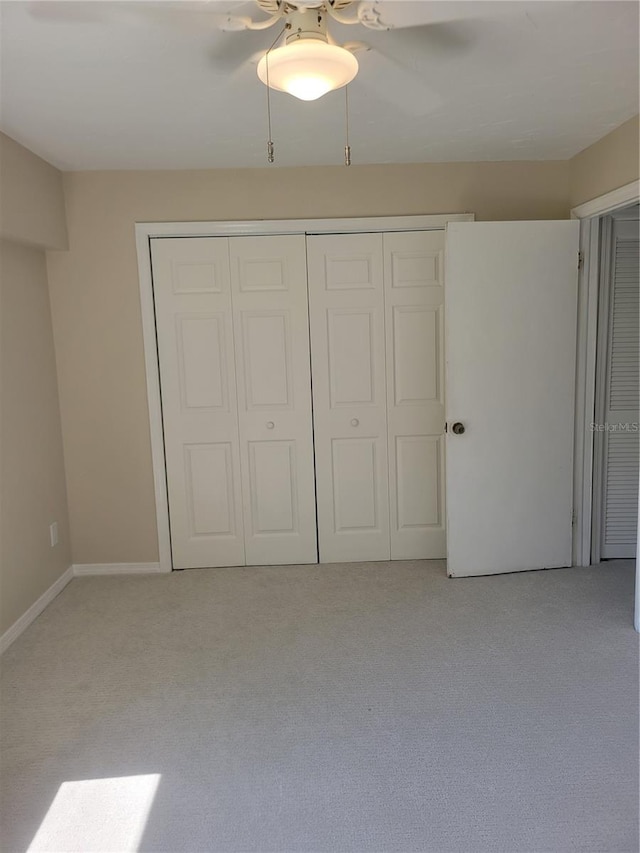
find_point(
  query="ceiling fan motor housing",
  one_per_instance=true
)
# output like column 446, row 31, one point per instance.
column 306, row 24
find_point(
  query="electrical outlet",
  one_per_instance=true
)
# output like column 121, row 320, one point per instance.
column 53, row 533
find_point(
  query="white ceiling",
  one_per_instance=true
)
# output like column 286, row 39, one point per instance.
column 156, row 85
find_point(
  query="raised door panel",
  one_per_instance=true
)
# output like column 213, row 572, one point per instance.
column 414, row 299
column 203, row 374
column 350, row 424
column 269, row 291
column 418, row 471
column 272, row 471
column 198, row 385
column 210, row 489
column 355, row 492
column 351, row 343
column 415, row 354
column 268, row 369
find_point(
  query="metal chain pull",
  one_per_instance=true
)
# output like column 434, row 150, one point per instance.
column 270, row 146
column 347, row 147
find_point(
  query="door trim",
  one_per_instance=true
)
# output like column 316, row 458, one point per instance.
column 603, row 269
column 586, row 347
column 146, row 231
column 608, row 202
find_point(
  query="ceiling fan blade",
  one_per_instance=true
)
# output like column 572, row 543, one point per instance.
column 232, row 50
column 187, row 15
column 396, row 85
column 436, row 41
column 402, row 14
column 193, row 16
column 66, row 11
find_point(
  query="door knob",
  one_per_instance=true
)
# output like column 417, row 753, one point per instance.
column 354, row 422
column 270, row 424
column 457, row 428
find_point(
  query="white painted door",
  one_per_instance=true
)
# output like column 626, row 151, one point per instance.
column 346, row 298
column 414, row 300
column 198, row 384
column 510, row 343
column 269, row 295
column 622, row 399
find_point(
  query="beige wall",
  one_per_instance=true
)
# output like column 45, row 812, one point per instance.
column 96, row 316
column 32, row 477
column 610, row 163
column 31, row 198
column 32, row 481
column 96, row 310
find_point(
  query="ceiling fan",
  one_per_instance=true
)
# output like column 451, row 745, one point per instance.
column 407, row 45
column 310, row 63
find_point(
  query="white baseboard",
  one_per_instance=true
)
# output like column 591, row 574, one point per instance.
column 35, row 610
column 80, row 569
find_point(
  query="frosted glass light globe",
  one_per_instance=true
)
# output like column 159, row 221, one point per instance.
column 308, row 68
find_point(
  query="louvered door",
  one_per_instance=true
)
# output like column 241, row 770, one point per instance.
column 621, row 444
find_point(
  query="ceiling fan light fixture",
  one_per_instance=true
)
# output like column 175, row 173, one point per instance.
column 308, row 68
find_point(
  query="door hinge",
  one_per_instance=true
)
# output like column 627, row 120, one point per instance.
column 574, row 517
column 580, row 260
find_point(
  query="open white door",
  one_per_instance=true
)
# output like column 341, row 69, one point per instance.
column 510, row 345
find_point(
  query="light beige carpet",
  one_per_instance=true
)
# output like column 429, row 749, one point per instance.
column 371, row 707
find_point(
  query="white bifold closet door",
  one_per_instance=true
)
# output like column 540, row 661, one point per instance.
column 377, row 353
column 414, row 306
column 346, row 300
column 622, row 397
column 194, row 325
column 233, row 348
column 271, row 327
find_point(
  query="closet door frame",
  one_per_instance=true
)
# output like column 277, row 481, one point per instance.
column 145, row 232
column 601, row 363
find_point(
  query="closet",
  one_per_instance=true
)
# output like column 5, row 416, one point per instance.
column 302, row 396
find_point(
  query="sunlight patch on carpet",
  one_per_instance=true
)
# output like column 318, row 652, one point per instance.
column 97, row 815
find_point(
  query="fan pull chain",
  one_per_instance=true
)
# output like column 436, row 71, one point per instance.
column 347, row 147
column 270, row 146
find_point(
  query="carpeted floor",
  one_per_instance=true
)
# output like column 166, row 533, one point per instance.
column 368, row 707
